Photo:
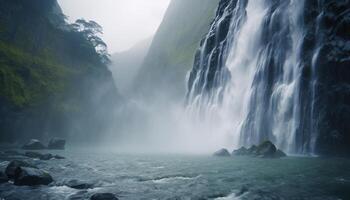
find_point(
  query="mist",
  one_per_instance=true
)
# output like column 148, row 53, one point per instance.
column 125, row 22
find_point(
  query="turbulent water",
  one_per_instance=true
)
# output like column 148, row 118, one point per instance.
column 247, row 77
column 189, row 177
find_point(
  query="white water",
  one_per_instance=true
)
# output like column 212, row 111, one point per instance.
column 228, row 110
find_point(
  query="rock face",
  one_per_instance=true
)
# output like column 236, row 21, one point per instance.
column 317, row 107
column 103, row 196
column 222, row 153
column 34, row 144
column 13, row 165
column 31, row 176
column 56, row 143
column 172, row 50
column 265, row 150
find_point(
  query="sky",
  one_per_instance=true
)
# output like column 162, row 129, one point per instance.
column 125, row 22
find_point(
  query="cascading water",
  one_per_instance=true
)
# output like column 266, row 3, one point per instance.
column 248, row 75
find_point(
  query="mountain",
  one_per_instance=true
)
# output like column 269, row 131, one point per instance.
column 53, row 82
column 171, row 54
column 279, row 71
column 125, row 65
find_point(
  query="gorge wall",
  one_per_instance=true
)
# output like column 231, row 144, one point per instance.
column 52, row 80
column 276, row 70
column 171, row 53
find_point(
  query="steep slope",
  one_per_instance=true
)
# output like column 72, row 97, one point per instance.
column 172, row 51
column 279, row 71
column 52, row 80
column 125, row 65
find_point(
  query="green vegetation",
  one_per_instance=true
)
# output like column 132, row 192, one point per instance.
column 172, row 52
column 50, row 72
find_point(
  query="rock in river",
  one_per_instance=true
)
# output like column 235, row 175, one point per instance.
column 222, row 153
column 31, row 176
column 13, row 165
column 240, row 152
column 34, row 144
column 57, row 143
column 265, row 150
column 103, row 196
column 40, row 156
column 76, row 184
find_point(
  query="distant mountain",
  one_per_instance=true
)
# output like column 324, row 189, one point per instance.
column 172, row 51
column 126, row 64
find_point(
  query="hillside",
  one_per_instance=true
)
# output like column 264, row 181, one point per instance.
column 172, row 51
column 51, row 76
column 126, row 64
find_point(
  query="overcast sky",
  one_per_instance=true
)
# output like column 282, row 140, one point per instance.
column 125, row 22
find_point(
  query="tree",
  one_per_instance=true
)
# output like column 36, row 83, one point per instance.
column 91, row 30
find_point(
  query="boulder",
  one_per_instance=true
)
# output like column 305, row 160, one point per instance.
column 3, row 177
column 222, row 153
column 240, row 152
column 57, row 143
column 103, row 196
column 280, row 154
column 266, row 150
column 80, row 185
column 34, row 145
column 13, row 165
column 40, row 156
column 31, row 176
column 59, row 157
column 253, row 150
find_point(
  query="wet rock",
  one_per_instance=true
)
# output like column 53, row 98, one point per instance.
column 56, row 143
column 34, row 145
column 222, row 153
column 13, row 165
column 31, row 176
column 103, row 196
column 40, row 156
column 240, row 152
column 266, row 149
column 59, row 157
column 80, row 185
column 253, row 150
column 279, row 154
column 3, row 177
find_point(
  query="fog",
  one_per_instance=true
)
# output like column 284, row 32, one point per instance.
column 125, row 22
column 157, row 122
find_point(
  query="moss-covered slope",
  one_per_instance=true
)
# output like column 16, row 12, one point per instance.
column 52, row 80
column 172, row 51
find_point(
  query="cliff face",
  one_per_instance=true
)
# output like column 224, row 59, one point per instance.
column 125, row 65
column 295, row 89
column 52, row 81
column 171, row 54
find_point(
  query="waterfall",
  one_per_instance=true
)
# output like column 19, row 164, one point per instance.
column 247, row 79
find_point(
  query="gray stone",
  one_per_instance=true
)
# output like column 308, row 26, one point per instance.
column 103, row 196
column 76, row 184
column 222, row 153
column 13, row 165
column 31, row 176
column 34, row 144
